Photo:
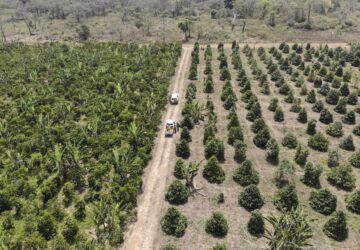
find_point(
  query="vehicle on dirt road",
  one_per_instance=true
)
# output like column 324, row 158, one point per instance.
column 170, row 128
column 174, row 98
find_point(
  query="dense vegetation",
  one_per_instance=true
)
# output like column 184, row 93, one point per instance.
column 77, row 129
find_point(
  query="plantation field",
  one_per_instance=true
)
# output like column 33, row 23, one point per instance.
column 77, row 123
column 265, row 129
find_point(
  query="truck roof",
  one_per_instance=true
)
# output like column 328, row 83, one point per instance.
column 170, row 121
column 174, row 95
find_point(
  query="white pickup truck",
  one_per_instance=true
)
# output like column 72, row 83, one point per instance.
column 174, row 98
column 170, row 127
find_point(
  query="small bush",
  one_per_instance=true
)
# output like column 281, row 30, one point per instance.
column 286, row 198
column 215, row 147
column 347, row 143
column 173, row 222
column 326, row 117
column 318, row 106
column 177, row 193
column 235, row 133
column 213, row 172
column 217, row 225
column 349, row 118
column 240, row 151
column 182, row 149
column 274, row 103
column 256, row 224
column 279, row 115
column 335, row 129
column 341, row 106
column 272, row 150
column 311, row 97
column 352, row 98
column 318, row 142
column 355, row 159
column 219, row 246
column 344, row 89
column 333, row 97
column 312, row 175
column 356, row 130
column 323, row 201
column 336, row 227
column 302, row 117
column 180, row 169
column 250, row 198
column 185, row 135
column 187, row 122
column 261, row 138
column 290, row 140
column 245, row 174
column 169, row 247
column 258, row 125
column 353, row 202
column 311, row 127
column 301, row 155
column 284, row 173
column 333, row 158
column 342, row 177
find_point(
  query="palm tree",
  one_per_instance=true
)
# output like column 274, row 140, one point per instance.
column 290, row 231
column 197, row 111
column 136, row 134
column 185, row 27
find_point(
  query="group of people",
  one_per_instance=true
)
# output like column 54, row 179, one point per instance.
column 176, row 127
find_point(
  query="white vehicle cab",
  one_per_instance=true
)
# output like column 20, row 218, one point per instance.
column 174, row 98
column 170, row 127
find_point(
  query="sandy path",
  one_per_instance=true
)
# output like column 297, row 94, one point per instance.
column 142, row 234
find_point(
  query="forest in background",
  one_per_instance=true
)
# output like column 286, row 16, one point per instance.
column 208, row 20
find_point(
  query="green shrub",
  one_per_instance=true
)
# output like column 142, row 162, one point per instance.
column 344, row 89
column 333, row 158
column 213, row 172
column 352, row 98
column 46, row 226
column 185, row 135
column 302, row 152
column 254, row 113
column 311, row 127
column 341, row 106
column 335, row 129
column 217, row 225
column 250, row 198
column 289, row 140
column 336, row 83
column 312, row 175
column 347, row 143
column 240, row 151
column 318, row 142
column 274, row 103
column 326, row 117
column 80, row 210
column 356, row 130
column 342, row 177
column 261, row 138
column 225, row 74
column 258, row 125
column 173, row 222
column 286, row 198
column 187, row 122
column 349, row 118
column 323, row 201
column 311, row 97
column 296, row 107
column 235, row 133
column 256, row 224
column 302, row 117
column 215, row 147
column 70, row 230
column 318, row 106
column 324, row 90
column 180, row 169
column 355, row 159
column 336, row 227
column 245, row 174
column 272, row 150
column 182, row 149
column 333, row 97
column 220, row 198
column 177, row 193
column 353, row 202
column 279, row 115
column 229, row 102
column 303, row 90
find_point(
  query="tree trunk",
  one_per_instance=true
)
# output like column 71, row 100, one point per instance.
column 29, row 28
column 3, row 33
column 244, row 26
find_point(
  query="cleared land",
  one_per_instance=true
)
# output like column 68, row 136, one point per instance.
column 198, row 208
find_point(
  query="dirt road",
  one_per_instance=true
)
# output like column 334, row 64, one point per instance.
column 142, row 234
